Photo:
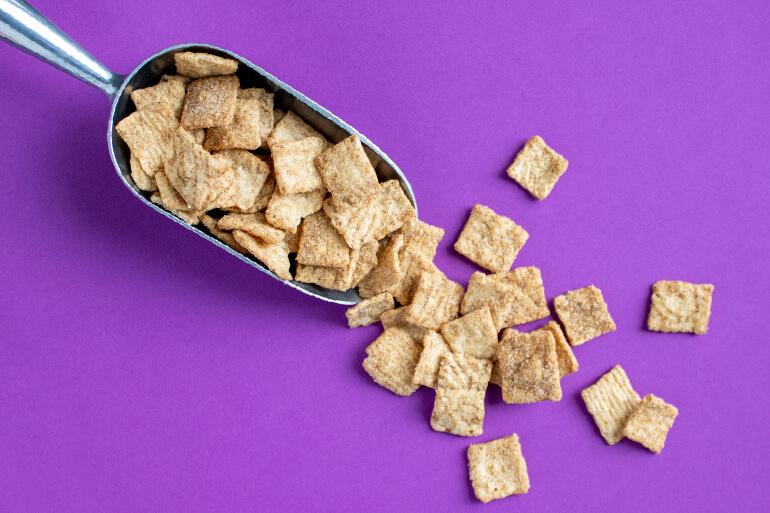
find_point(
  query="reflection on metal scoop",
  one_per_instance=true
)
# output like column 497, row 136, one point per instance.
column 24, row 27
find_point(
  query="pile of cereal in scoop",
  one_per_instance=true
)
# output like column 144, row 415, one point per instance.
column 269, row 185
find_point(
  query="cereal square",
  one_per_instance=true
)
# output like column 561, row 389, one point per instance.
column 412, row 266
column 420, row 238
column 168, row 198
column 249, row 174
column 396, row 318
column 346, row 171
column 368, row 311
column 564, row 355
column 251, row 124
column 584, row 314
column 650, row 422
column 210, row 102
column 356, row 223
column 199, row 65
column 396, row 208
column 497, row 469
column 433, row 349
column 320, row 244
column 294, row 163
column 274, row 256
column 287, row 211
column 473, row 334
column 147, row 133
column 459, row 412
column 391, row 359
column 490, row 240
column 387, row 272
column 291, row 128
column 528, row 368
column 680, row 307
column 169, row 92
column 463, row 372
column 436, row 300
column 610, row 401
column 340, row 278
column 537, row 168
column 254, row 224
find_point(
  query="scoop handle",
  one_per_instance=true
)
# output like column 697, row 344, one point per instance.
column 24, row 27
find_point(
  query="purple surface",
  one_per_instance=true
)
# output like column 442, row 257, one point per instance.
column 144, row 370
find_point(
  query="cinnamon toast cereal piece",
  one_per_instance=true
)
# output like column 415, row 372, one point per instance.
column 420, row 238
column 254, row 224
column 210, row 102
column 537, row 168
column 528, row 368
column 490, row 240
column 391, row 359
column 211, row 225
column 356, row 224
column 395, row 206
column 459, row 371
column 387, row 272
column 584, row 314
column 458, row 407
column 199, row 64
column 610, row 401
column 341, row 278
column 168, row 198
column 320, row 244
column 433, row 349
column 396, row 318
column 291, row 128
column 564, row 355
column 170, row 92
column 286, row 211
column 274, row 256
column 365, row 262
column 294, row 163
column 346, row 172
column 497, row 469
column 680, row 307
column 141, row 179
column 436, row 300
column 147, row 133
column 412, row 266
column 248, row 174
column 368, row 311
column 251, row 124
column 650, row 422
column 473, row 334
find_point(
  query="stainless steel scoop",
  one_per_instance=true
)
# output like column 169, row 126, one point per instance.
column 24, row 27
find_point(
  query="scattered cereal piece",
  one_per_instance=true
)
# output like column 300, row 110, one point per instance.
column 396, row 208
column 141, row 179
column 528, row 368
column 611, row 400
column 251, row 124
column 473, row 334
column 463, row 372
column 420, row 238
column 537, row 168
column 254, row 224
column 436, row 300
column 387, row 272
column 287, row 211
column 368, row 311
column 412, row 266
column 584, row 314
column 433, row 349
column 680, row 307
column 564, row 355
column 490, row 240
column 294, row 163
column 210, row 102
column 356, row 224
column 248, row 176
column 169, row 92
column 459, row 412
column 497, row 469
column 391, row 360
column 650, row 421
column 147, row 133
column 346, row 171
column 291, row 128
column 320, row 244
column 199, row 65
column 211, row 225
column 274, row 256
column 396, row 318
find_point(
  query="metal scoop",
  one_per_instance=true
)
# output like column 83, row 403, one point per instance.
column 24, row 27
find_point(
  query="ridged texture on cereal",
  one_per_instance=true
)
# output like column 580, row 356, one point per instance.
column 340, row 278
column 387, row 273
column 147, row 133
column 490, row 240
column 369, row 310
column 610, row 401
column 274, row 256
column 248, row 174
column 433, row 349
column 286, row 211
column 396, row 318
column 584, row 314
column 199, row 65
column 251, row 124
column 320, row 244
column 528, row 368
column 294, row 164
column 210, row 102
column 473, row 334
column 564, row 355
column 347, row 173
column 461, row 385
column 391, row 359
column 680, row 307
column 169, row 92
column 395, row 207
column 497, row 469
column 436, row 300
column 537, row 167
column 650, row 422
column 356, row 224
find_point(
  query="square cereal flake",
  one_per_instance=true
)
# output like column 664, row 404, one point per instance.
column 458, row 412
column 286, row 211
column 537, row 168
column 434, row 348
column 356, row 223
column 294, row 164
column 387, row 272
column 346, row 171
column 436, row 300
column 199, row 65
column 210, row 102
column 680, row 307
column 396, row 318
column 528, row 367
column 473, row 334
column 251, row 124
column 584, row 314
column 497, row 469
column 610, row 401
column 248, row 174
column 650, row 421
column 321, row 244
column 391, row 359
column 368, row 311
column 490, row 240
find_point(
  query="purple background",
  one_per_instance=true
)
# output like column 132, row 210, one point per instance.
column 142, row 369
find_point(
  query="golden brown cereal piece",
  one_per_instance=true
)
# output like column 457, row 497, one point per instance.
column 248, row 174
column 169, row 92
column 251, row 124
column 346, row 171
column 433, row 349
column 395, row 207
column 368, row 311
column 294, row 163
column 367, row 260
column 459, row 412
column 680, row 307
column 147, row 133
column 254, row 224
column 199, row 177
column 340, row 278
column 564, row 355
column 292, row 128
column 473, row 334
column 436, row 300
column 199, row 65
column 287, row 211
column 497, row 469
column 584, row 314
column 320, row 244
column 168, row 198
column 490, row 240
column 463, row 372
column 387, row 272
column 650, row 422
column 420, row 238
column 528, row 368
column 274, row 256
column 390, row 361
column 356, row 224
column 537, row 168
column 140, row 178
column 610, row 401
column 211, row 225
column 412, row 266
column 210, row 102
column 397, row 319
